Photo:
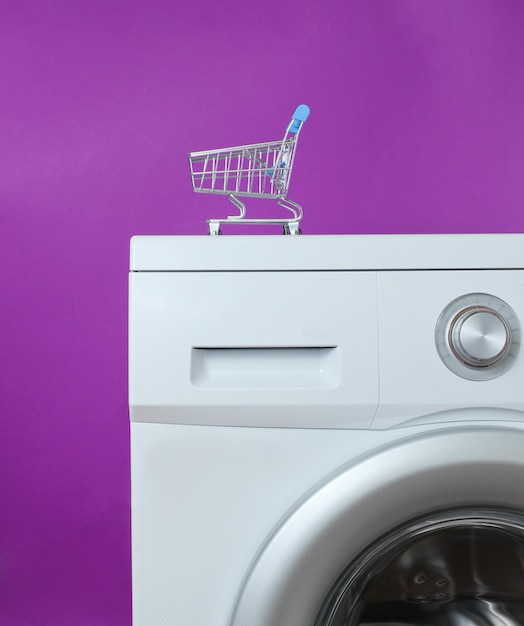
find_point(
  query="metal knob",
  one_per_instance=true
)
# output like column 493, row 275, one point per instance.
column 479, row 337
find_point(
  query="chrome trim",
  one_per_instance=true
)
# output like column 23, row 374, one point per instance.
column 477, row 336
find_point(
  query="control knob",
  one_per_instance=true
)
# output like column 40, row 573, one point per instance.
column 478, row 336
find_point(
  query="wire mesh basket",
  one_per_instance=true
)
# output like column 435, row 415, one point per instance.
column 256, row 170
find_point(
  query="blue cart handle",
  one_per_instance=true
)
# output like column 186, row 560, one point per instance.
column 299, row 117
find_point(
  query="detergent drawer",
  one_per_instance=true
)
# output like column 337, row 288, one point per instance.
column 202, row 353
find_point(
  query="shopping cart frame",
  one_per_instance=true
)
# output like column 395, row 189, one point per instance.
column 260, row 170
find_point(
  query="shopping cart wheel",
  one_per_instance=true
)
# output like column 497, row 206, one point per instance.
column 292, row 228
column 214, row 228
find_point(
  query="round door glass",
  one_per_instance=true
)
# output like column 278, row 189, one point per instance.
column 457, row 568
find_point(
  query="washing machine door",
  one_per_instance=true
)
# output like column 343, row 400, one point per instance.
column 427, row 531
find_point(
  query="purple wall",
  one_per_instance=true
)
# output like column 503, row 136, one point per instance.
column 417, row 125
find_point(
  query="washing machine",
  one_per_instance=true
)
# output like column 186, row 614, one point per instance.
column 327, row 430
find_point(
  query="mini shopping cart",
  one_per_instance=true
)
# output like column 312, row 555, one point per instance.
column 257, row 170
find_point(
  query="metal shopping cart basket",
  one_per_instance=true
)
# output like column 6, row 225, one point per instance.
column 261, row 169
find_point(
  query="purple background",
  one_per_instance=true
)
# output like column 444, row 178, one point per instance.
column 417, row 125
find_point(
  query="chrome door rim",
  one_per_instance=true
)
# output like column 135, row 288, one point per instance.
column 296, row 568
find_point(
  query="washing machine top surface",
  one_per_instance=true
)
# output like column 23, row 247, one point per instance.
column 327, row 252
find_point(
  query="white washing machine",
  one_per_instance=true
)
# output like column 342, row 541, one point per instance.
column 327, row 430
